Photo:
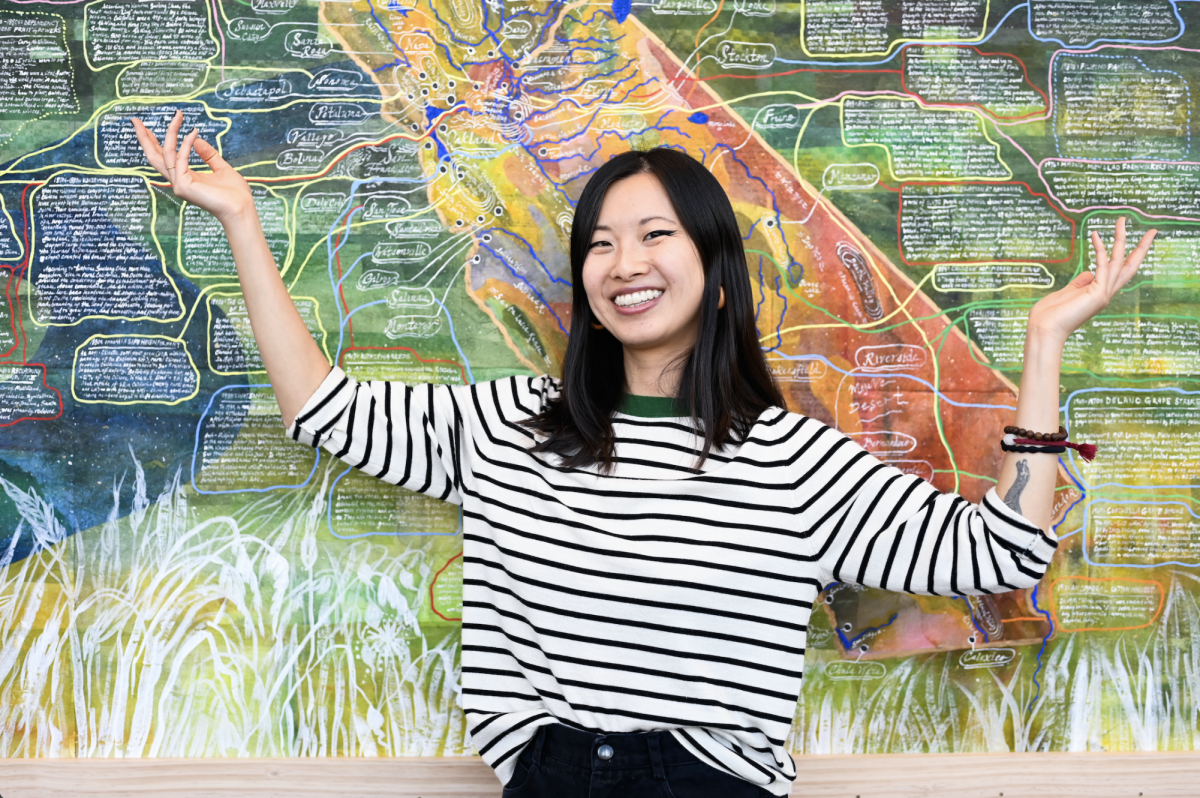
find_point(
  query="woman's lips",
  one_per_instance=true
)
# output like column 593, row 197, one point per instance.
column 648, row 298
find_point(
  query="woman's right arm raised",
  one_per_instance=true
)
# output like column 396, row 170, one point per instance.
column 295, row 364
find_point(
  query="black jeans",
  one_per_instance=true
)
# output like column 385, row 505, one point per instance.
column 561, row 762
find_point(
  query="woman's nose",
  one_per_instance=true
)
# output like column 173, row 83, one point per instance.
column 632, row 261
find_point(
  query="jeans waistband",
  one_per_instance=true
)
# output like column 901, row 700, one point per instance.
column 648, row 750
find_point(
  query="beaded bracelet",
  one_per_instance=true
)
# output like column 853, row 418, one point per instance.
column 1040, row 449
column 1021, row 432
column 1027, row 445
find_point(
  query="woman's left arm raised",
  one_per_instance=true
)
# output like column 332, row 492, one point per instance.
column 872, row 524
column 1027, row 480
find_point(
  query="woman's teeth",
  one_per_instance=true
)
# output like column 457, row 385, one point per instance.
column 637, row 298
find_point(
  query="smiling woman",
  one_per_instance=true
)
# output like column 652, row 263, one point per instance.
column 644, row 538
column 666, row 309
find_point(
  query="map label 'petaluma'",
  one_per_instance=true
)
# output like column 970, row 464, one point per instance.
column 745, row 55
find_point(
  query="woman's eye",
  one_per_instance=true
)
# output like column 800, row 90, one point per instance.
column 595, row 244
column 657, row 233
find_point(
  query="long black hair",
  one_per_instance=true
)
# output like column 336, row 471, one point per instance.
column 724, row 381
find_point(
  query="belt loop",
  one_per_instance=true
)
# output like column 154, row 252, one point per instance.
column 537, row 745
column 656, row 763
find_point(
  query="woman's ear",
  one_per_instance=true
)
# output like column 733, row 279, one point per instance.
column 721, row 301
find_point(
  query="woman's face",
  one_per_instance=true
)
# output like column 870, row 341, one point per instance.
column 642, row 274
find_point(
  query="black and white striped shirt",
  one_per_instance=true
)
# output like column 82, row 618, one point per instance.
column 659, row 596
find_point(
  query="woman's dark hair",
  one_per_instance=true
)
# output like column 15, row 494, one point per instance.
column 724, row 381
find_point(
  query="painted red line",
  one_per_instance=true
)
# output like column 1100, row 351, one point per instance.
column 48, row 387
column 436, row 576
column 12, row 317
column 24, row 268
column 16, row 292
column 686, row 78
column 1024, row 71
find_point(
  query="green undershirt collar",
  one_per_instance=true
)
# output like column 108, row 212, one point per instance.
column 651, row 407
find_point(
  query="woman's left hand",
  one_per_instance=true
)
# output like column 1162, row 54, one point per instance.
column 1058, row 315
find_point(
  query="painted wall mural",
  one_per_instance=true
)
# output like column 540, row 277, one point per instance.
column 177, row 579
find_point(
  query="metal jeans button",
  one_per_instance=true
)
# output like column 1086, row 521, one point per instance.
column 604, row 752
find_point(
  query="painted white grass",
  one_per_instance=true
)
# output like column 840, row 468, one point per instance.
column 166, row 634
column 169, row 633
column 1120, row 691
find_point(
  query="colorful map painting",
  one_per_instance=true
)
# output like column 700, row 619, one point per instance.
column 910, row 176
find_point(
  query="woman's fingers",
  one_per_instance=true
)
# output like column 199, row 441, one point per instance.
column 149, row 145
column 1134, row 261
column 185, row 153
column 1116, row 259
column 1101, row 258
column 208, row 153
column 1082, row 280
column 171, row 144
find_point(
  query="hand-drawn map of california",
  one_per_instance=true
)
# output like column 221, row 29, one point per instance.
column 910, row 176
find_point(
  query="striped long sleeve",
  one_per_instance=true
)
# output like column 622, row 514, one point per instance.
column 402, row 434
column 665, row 594
column 874, row 525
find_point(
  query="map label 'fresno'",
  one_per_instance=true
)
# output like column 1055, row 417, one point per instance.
column 745, row 55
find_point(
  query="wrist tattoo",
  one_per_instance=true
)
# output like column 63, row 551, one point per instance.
column 1013, row 497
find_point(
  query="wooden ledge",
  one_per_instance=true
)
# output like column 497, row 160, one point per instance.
column 1094, row 775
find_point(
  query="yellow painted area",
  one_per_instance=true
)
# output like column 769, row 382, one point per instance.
column 13, row 229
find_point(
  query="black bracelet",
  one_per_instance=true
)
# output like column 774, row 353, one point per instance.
column 1033, row 449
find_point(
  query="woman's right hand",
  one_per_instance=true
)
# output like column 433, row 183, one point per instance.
column 223, row 192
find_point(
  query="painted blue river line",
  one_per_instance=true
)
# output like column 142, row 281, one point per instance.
column 196, row 451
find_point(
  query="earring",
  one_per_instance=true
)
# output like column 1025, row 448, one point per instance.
column 597, row 325
column 721, row 301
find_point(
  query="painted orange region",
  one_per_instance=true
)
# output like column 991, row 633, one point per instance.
column 1157, row 612
column 432, row 601
column 720, row 8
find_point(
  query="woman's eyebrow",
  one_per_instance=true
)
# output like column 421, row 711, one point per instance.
column 640, row 222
